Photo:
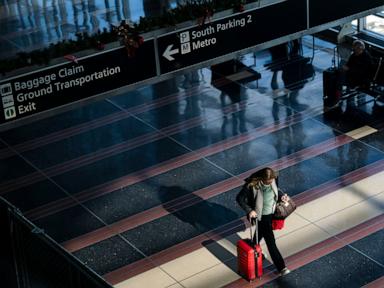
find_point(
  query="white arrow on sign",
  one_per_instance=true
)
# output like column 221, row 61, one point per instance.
column 168, row 52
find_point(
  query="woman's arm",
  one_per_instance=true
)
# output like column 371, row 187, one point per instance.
column 242, row 199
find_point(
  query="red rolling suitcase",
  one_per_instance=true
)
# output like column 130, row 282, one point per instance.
column 250, row 257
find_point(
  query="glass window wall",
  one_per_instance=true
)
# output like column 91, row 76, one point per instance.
column 375, row 23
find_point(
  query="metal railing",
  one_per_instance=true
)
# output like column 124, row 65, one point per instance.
column 30, row 258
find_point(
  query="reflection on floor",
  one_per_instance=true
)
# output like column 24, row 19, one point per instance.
column 143, row 187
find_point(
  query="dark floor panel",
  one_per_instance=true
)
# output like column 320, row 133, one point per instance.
column 180, row 110
column 353, row 114
column 36, row 195
column 272, row 146
column 108, row 255
column 66, row 225
column 372, row 246
column 155, row 191
column 376, row 140
column 119, row 165
column 58, row 122
column 87, row 142
column 378, row 114
column 167, row 115
column 340, row 269
column 328, row 166
column 148, row 93
column 14, row 167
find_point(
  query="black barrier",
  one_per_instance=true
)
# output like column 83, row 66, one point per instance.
column 29, row 258
column 7, row 264
column 217, row 38
column 324, row 11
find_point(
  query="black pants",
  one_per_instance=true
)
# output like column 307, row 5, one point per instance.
column 265, row 231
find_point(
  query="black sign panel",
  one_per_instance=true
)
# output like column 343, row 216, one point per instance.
column 218, row 38
column 74, row 81
column 324, row 11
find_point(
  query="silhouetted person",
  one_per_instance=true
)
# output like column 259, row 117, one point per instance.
column 283, row 55
column 358, row 67
column 279, row 55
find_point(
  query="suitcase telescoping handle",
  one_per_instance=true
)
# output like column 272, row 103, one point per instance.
column 254, row 223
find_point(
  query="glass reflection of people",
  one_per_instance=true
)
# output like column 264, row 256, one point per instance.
column 279, row 54
column 236, row 109
column 295, row 74
column 236, row 94
column 358, row 67
column 258, row 198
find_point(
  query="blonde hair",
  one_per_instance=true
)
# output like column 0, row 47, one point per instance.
column 261, row 175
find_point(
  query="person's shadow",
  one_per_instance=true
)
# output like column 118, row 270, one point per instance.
column 215, row 220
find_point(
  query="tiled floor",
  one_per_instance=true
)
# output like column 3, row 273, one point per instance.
column 141, row 187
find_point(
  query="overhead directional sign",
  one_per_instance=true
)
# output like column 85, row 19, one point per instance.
column 78, row 80
column 201, row 43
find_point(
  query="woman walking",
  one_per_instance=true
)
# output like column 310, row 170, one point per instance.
column 258, row 198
